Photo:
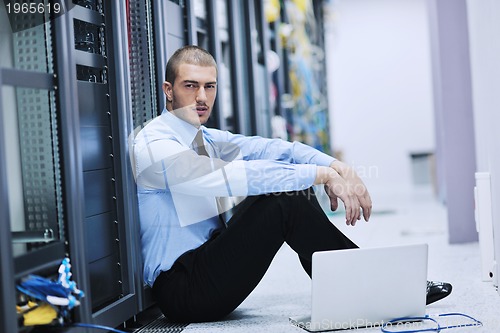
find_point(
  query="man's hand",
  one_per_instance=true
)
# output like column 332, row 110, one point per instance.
column 345, row 185
column 356, row 188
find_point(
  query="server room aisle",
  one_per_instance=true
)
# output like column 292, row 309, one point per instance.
column 402, row 218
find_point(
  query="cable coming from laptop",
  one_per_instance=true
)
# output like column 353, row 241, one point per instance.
column 398, row 322
column 98, row 327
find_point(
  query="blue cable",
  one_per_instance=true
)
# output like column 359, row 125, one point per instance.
column 438, row 328
column 475, row 322
column 99, row 327
column 400, row 320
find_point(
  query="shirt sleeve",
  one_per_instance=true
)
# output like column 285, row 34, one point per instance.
column 165, row 164
column 259, row 148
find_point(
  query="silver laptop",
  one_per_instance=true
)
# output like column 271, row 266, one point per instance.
column 358, row 288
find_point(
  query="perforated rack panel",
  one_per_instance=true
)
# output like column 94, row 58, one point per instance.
column 142, row 73
column 38, row 129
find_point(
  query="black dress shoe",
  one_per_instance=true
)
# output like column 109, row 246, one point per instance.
column 437, row 290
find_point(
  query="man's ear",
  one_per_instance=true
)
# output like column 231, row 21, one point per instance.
column 167, row 90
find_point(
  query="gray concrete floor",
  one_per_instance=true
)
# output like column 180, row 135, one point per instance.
column 402, row 218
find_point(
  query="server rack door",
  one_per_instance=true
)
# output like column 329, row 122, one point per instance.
column 33, row 232
column 100, row 56
column 144, row 98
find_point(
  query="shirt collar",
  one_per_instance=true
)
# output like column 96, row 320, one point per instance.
column 186, row 131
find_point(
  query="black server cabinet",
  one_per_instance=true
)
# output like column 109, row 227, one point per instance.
column 100, row 53
column 65, row 179
column 101, row 214
column 33, row 229
column 234, row 32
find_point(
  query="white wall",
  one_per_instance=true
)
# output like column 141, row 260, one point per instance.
column 484, row 34
column 380, row 87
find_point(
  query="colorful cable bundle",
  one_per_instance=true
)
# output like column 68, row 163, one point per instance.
column 61, row 295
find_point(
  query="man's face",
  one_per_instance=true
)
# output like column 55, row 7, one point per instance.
column 192, row 96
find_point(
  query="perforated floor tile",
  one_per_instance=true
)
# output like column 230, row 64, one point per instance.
column 162, row 325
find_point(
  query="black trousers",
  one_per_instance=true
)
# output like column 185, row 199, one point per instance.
column 209, row 282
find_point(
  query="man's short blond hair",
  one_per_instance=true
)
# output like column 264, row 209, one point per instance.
column 189, row 54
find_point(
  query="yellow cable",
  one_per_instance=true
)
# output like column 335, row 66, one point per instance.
column 42, row 315
column 23, row 308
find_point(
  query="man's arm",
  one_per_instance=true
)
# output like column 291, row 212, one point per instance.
column 346, row 185
column 167, row 165
column 259, row 148
column 298, row 153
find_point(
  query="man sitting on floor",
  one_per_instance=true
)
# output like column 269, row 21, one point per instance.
column 200, row 267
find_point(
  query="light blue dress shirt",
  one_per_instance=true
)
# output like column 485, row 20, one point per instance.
column 177, row 187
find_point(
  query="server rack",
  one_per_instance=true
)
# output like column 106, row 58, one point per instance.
column 256, row 48
column 170, row 34
column 72, row 108
column 99, row 49
column 220, row 46
column 300, row 79
column 33, row 230
column 239, row 73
